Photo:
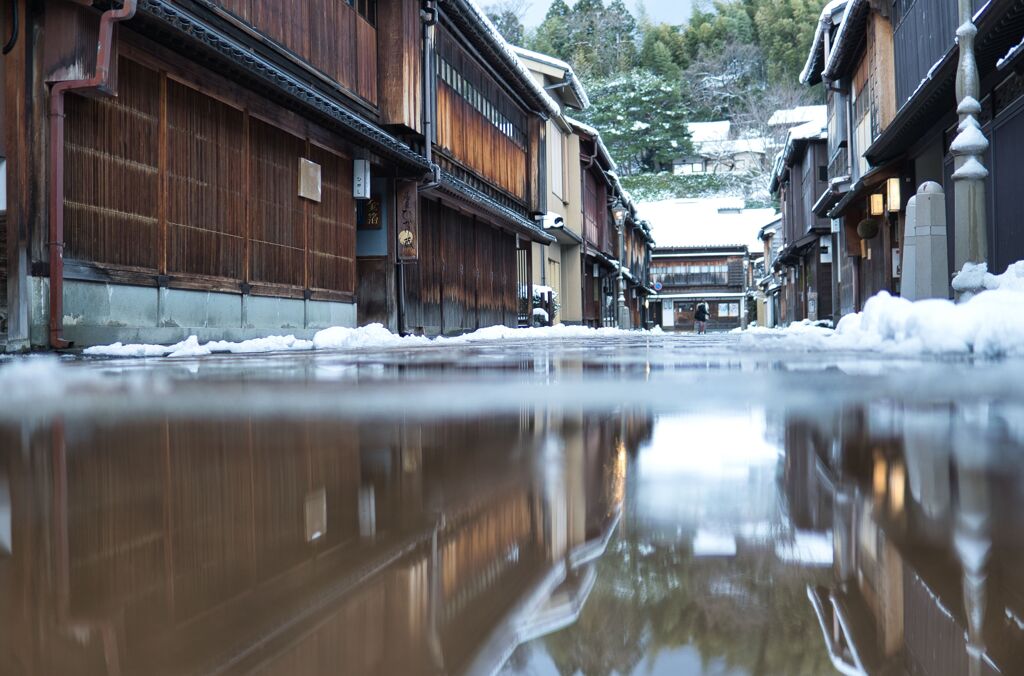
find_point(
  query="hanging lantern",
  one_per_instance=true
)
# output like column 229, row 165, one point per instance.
column 892, row 195
column 876, row 204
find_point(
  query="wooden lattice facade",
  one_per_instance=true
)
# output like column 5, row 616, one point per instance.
column 222, row 156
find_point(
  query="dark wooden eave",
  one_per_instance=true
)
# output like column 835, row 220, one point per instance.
column 1000, row 26
column 214, row 46
column 477, row 201
column 863, row 186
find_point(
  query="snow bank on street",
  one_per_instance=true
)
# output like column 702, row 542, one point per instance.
column 370, row 336
column 991, row 324
column 191, row 347
column 373, row 336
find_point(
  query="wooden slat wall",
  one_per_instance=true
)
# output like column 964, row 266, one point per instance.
column 464, row 133
column 399, row 62
column 466, row 275
column 277, row 219
column 205, row 192
column 111, row 175
column 366, row 59
column 332, row 225
column 595, row 218
column 328, row 34
column 165, row 179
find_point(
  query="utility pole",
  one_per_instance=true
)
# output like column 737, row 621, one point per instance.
column 971, row 243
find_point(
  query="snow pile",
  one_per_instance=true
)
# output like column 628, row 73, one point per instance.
column 372, row 336
column 975, row 276
column 191, row 347
column 991, row 324
column 537, row 333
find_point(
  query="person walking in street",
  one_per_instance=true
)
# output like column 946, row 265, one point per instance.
column 701, row 318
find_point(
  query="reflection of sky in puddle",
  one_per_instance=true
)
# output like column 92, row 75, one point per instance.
column 711, row 475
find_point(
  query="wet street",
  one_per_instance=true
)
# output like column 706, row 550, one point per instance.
column 647, row 504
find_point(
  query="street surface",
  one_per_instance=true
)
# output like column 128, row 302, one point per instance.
column 649, row 504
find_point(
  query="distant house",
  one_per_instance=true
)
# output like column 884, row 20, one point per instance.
column 702, row 252
column 804, row 259
column 716, row 150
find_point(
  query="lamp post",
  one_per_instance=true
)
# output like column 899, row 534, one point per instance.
column 971, row 244
column 619, row 215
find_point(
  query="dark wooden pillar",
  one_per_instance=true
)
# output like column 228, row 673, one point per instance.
column 24, row 131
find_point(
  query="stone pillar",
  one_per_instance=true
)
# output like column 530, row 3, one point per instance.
column 908, row 273
column 931, row 265
column 968, row 148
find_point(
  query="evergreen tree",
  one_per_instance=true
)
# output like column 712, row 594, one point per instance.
column 785, row 29
column 553, row 36
column 507, row 18
column 711, row 30
column 657, row 57
column 669, row 36
column 642, row 118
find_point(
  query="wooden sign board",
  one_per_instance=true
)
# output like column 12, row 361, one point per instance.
column 309, row 180
column 407, row 224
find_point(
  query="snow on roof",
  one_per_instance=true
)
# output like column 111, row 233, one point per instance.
column 733, row 147
column 705, row 222
column 702, row 132
column 504, row 47
column 791, row 117
column 570, row 74
column 840, row 36
column 825, row 22
column 1010, row 55
column 591, row 131
column 816, row 129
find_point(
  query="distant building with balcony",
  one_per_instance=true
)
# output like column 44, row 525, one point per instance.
column 703, row 248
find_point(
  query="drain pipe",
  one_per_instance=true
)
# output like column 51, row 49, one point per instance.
column 429, row 16
column 431, row 180
column 100, row 81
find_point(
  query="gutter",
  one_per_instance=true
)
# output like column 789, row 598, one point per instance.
column 99, row 82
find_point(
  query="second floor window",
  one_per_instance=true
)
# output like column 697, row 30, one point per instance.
column 692, row 274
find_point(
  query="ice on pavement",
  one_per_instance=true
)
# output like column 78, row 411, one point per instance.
column 991, row 324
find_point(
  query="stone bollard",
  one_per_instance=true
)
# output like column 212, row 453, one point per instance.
column 931, row 254
column 908, row 273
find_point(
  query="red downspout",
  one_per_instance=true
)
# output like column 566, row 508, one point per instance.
column 99, row 82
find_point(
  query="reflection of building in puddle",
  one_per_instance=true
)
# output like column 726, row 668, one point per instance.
column 925, row 507
column 705, row 574
column 168, row 546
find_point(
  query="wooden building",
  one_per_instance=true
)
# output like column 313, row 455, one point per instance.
column 853, row 53
column 600, row 240
column 559, row 265
column 891, row 71
column 635, row 255
column 702, row 254
column 227, row 169
column 804, row 261
column 916, row 143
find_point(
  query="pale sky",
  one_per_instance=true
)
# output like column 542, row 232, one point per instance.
column 667, row 11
